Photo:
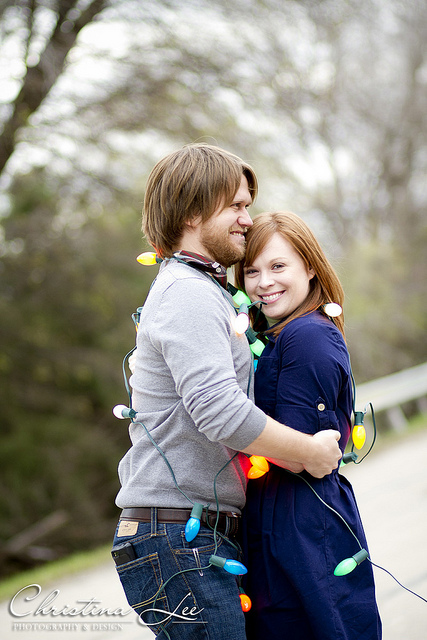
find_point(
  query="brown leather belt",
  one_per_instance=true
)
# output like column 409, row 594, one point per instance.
column 228, row 521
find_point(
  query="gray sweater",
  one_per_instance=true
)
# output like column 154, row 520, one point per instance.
column 190, row 388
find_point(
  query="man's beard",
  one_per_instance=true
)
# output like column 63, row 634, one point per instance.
column 221, row 247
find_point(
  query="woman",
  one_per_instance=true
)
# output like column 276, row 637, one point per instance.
column 293, row 541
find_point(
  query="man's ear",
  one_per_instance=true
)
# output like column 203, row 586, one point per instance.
column 193, row 223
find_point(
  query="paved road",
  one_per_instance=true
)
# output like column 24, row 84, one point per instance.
column 391, row 488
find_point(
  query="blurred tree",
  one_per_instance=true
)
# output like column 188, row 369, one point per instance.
column 66, row 295
column 41, row 69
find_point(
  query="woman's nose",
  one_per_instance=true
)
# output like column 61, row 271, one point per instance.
column 265, row 279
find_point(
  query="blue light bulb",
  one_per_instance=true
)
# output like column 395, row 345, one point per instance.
column 192, row 527
column 235, row 567
column 232, row 566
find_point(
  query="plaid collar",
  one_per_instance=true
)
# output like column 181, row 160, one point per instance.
column 198, row 261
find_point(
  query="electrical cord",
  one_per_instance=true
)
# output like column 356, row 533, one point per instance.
column 354, row 535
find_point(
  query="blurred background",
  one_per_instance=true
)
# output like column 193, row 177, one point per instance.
column 326, row 99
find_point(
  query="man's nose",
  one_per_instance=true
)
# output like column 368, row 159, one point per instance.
column 245, row 219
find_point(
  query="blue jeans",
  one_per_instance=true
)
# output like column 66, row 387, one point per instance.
column 172, row 588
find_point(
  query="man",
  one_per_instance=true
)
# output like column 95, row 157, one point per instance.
column 195, row 420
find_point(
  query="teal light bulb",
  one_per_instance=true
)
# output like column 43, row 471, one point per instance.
column 192, row 527
column 232, row 566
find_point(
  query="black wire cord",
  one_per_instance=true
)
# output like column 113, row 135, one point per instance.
column 399, row 583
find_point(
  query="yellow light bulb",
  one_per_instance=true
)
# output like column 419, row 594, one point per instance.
column 255, row 473
column 259, row 467
column 260, row 462
column 147, row 258
column 358, row 435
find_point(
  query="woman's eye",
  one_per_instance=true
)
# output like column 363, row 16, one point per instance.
column 250, row 272
column 278, row 265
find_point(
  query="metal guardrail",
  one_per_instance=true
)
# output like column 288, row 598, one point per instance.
column 389, row 393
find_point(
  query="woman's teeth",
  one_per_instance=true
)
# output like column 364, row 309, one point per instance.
column 272, row 297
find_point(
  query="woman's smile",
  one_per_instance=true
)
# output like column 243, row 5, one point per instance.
column 279, row 277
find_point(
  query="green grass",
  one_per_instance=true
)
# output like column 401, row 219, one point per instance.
column 51, row 571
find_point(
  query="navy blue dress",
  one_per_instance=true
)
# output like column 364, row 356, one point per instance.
column 292, row 542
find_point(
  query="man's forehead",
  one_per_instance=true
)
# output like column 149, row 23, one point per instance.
column 243, row 194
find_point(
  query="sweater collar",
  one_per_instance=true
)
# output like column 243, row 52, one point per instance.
column 198, row 261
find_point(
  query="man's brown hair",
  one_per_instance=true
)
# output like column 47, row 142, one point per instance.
column 193, row 181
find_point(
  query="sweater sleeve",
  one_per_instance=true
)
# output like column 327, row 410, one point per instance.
column 194, row 333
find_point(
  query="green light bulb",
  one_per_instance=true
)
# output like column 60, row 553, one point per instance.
column 240, row 297
column 257, row 347
column 346, row 566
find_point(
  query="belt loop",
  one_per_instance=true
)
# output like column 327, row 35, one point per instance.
column 227, row 525
column 153, row 521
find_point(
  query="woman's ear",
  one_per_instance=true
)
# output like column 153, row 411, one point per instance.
column 311, row 273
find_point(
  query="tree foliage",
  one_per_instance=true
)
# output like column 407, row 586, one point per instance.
column 67, row 294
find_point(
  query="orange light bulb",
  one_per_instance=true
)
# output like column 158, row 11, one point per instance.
column 246, row 603
column 259, row 467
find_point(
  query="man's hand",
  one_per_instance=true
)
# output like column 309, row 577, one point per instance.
column 325, row 453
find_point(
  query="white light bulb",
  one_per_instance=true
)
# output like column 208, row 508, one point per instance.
column 241, row 323
column 332, row 309
column 117, row 411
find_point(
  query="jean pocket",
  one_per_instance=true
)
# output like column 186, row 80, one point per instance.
column 205, row 542
column 143, row 585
